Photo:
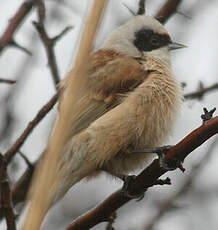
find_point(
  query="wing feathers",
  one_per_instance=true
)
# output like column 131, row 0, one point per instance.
column 109, row 76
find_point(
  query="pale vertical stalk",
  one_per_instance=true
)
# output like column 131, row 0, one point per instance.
column 41, row 197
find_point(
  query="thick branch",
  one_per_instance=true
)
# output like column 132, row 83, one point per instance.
column 168, row 9
column 147, row 178
column 7, row 37
column 169, row 204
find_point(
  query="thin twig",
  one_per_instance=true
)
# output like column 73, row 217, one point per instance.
column 49, row 43
column 168, row 9
column 7, row 81
column 201, row 92
column 22, row 138
column 15, row 23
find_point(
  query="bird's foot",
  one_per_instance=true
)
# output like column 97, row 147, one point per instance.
column 158, row 150
column 127, row 180
column 169, row 165
column 207, row 115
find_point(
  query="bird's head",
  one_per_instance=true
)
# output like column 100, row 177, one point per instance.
column 142, row 35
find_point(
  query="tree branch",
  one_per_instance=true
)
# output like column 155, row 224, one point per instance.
column 49, row 43
column 39, row 116
column 7, row 37
column 6, row 204
column 147, row 178
column 7, row 81
column 201, row 92
column 169, row 204
column 167, row 10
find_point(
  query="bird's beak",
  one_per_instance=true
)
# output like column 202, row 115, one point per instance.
column 174, row 46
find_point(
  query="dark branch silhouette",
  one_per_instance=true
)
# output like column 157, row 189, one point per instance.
column 7, row 38
column 168, row 9
column 49, row 43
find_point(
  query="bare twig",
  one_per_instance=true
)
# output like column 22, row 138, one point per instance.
column 20, row 47
column 148, row 177
column 40, row 115
column 20, row 189
column 201, row 92
column 7, row 37
column 49, row 43
column 168, row 9
column 6, row 204
column 28, row 163
column 7, row 81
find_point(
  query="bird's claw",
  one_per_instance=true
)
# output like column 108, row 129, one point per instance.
column 207, row 115
column 170, row 165
column 160, row 151
column 126, row 182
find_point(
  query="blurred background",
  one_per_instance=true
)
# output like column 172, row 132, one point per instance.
column 191, row 202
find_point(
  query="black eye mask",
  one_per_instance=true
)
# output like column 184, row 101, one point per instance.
column 147, row 40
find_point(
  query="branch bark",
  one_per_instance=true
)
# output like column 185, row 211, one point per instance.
column 168, row 9
column 49, row 43
column 169, row 204
column 5, row 201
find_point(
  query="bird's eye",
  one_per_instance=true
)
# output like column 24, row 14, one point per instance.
column 154, row 41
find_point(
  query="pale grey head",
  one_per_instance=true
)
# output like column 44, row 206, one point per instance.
column 140, row 36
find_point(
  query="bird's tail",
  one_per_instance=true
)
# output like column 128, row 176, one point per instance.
column 75, row 165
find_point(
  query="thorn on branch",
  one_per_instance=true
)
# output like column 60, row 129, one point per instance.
column 207, row 115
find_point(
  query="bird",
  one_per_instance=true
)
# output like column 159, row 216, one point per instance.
column 129, row 99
